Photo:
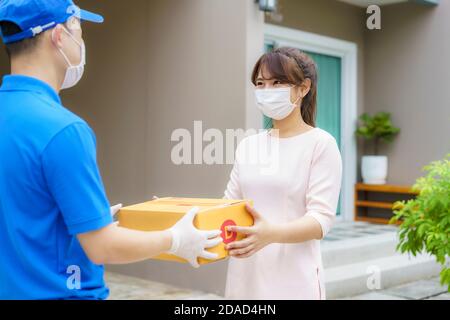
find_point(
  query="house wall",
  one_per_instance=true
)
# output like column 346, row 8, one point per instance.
column 113, row 95
column 333, row 19
column 157, row 66
column 409, row 52
column 407, row 73
column 154, row 67
column 4, row 62
column 198, row 70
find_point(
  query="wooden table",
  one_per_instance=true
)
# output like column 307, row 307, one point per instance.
column 361, row 202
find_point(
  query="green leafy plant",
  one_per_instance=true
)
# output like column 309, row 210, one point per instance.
column 376, row 128
column 426, row 219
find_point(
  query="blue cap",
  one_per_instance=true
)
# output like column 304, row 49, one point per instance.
column 36, row 16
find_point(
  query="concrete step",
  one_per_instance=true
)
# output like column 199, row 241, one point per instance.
column 357, row 278
column 348, row 251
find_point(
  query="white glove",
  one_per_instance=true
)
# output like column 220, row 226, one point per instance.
column 190, row 243
column 115, row 209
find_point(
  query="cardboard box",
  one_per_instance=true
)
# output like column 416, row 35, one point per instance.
column 214, row 214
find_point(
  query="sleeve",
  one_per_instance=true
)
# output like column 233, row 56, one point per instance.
column 73, row 178
column 233, row 191
column 324, row 185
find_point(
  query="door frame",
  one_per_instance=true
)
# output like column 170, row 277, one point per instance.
column 348, row 52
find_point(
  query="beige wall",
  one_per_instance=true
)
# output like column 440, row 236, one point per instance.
column 4, row 63
column 402, row 69
column 408, row 74
column 154, row 67
column 158, row 68
column 113, row 96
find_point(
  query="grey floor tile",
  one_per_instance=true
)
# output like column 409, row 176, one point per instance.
column 205, row 297
column 375, row 296
column 418, row 290
column 130, row 288
column 333, row 239
column 444, row 296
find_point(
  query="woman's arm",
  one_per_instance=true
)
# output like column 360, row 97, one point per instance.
column 116, row 245
column 264, row 233
column 301, row 230
column 321, row 202
column 233, row 191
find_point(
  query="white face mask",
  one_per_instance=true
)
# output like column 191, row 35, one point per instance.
column 275, row 103
column 74, row 73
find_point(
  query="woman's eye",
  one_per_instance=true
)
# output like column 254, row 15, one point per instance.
column 277, row 83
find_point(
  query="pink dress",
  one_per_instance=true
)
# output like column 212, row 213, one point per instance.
column 289, row 178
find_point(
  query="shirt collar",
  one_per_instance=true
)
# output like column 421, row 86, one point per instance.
column 25, row 83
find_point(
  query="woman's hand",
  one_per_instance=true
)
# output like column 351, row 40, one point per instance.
column 258, row 236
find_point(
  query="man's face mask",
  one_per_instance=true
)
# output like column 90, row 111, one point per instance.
column 74, row 73
column 275, row 103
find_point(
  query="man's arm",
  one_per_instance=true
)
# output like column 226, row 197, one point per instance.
column 116, row 245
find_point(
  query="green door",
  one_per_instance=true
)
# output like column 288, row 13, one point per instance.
column 329, row 95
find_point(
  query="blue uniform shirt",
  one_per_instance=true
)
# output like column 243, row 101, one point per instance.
column 50, row 191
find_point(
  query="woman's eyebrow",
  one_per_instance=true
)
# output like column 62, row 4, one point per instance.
column 261, row 79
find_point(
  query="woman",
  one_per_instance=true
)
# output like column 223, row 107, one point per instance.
column 295, row 204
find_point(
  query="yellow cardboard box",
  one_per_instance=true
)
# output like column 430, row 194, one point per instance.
column 214, row 214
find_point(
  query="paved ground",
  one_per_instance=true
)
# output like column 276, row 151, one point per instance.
column 419, row 290
column 355, row 230
column 130, row 288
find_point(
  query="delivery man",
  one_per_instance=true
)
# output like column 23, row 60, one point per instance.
column 56, row 227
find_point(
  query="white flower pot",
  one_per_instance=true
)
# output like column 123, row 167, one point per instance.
column 374, row 169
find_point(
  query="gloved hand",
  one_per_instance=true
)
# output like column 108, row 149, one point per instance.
column 190, row 243
column 115, row 209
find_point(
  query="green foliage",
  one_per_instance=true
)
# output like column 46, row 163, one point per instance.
column 426, row 219
column 376, row 128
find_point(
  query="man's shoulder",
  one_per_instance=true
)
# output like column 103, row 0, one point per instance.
column 54, row 115
column 63, row 118
column 58, row 114
column 42, row 117
column 66, row 125
column 33, row 107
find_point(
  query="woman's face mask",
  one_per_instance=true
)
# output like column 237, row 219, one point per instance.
column 275, row 103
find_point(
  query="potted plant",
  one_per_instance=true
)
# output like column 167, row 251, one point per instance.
column 375, row 129
column 426, row 219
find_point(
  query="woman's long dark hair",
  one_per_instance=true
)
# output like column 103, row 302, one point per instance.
column 291, row 66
